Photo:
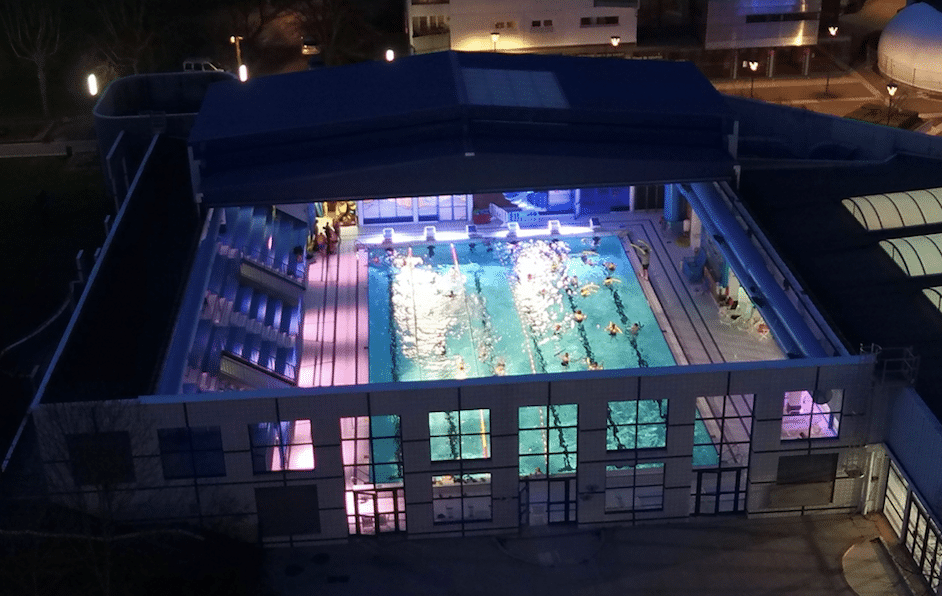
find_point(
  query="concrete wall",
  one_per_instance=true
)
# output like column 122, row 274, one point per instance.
column 228, row 503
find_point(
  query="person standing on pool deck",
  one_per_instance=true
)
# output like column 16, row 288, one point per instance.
column 644, row 254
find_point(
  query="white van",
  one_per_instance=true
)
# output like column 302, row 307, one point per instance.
column 200, row 65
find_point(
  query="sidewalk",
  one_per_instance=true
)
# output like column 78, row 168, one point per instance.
column 716, row 556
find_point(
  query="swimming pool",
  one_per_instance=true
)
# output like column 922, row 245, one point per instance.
column 476, row 309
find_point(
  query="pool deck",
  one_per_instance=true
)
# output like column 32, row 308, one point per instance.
column 335, row 332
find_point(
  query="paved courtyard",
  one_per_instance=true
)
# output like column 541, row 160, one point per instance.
column 807, row 556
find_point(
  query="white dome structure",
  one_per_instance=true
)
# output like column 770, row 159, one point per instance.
column 910, row 48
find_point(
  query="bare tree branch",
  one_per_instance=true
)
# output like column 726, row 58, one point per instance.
column 34, row 33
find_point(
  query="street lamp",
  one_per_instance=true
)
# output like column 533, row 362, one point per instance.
column 237, row 40
column 891, row 89
column 827, row 82
column 494, row 37
column 390, row 55
column 243, row 73
column 92, row 85
column 753, row 67
column 615, row 41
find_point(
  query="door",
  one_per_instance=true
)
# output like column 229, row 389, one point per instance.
column 718, row 491
column 377, row 511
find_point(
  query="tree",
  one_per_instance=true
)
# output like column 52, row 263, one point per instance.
column 343, row 33
column 34, row 32
column 251, row 17
column 128, row 29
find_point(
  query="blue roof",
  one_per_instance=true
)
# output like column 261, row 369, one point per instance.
column 330, row 125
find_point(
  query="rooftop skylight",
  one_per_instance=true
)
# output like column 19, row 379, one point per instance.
column 898, row 209
column 916, row 255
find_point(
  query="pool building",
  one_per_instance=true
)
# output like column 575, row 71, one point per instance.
column 550, row 294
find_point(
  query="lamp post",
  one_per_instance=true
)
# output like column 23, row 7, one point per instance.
column 494, row 37
column 390, row 55
column 237, row 40
column 753, row 67
column 92, row 85
column 827, row 82
column 891, row 89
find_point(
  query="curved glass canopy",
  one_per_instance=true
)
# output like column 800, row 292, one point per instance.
column 916, row 255
column 897, row 210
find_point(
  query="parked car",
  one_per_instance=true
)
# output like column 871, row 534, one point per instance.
column 200, row 65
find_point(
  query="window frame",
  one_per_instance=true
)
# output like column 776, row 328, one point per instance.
column 612, row 428
column 465, row 485
column 186, row 455
column 457, row 439
column 630, row 486
column 287, row 434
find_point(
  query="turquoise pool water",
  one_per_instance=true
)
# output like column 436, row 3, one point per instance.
column 475, row 309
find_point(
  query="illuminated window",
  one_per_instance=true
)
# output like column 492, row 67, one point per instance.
column 634, row 487
column 812, row 416
column 547, row 440
column 371, row 448
column 191, row 452
column 639, row 424
column 461, row 497
column 278, row 446
column 464, row 434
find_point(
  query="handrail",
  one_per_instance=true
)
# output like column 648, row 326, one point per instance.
column 70, row 297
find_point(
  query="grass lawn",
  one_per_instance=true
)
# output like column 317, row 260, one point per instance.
column 38, row 245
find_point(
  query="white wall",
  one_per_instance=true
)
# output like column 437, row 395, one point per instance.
column 227, row 503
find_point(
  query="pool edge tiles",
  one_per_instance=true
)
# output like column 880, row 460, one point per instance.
column 493, row 308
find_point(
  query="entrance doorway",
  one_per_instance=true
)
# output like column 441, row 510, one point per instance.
column 376, row 511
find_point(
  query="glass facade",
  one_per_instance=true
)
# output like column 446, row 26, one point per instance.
column 547, row 440
column 639, row 424
column 463, row 434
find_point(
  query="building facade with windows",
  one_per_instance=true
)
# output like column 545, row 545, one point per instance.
column 255, row 392
column 487, row 25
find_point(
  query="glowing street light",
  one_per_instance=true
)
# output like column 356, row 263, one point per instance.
column 494, row 37
column 243, row 73
column 390, row 55
column 891, row 89
column 827, row 82
column 237, row 40
column 92, row 85
column 753, row 66
column 615, row 41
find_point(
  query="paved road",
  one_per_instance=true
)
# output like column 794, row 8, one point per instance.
column 50, row 149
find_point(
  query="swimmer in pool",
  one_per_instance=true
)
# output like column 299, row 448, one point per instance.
column 593, row 365
column 613, row 329
column 635, row 328
column 579, row 316
column 500, row 369
column 611, row 280
column 610, row 265
column 564, row 359
column 589, row 289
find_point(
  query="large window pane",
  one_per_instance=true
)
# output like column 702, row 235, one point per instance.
column 639, row 424
column 278, row 446
column 548, row 439
column 463, row 434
